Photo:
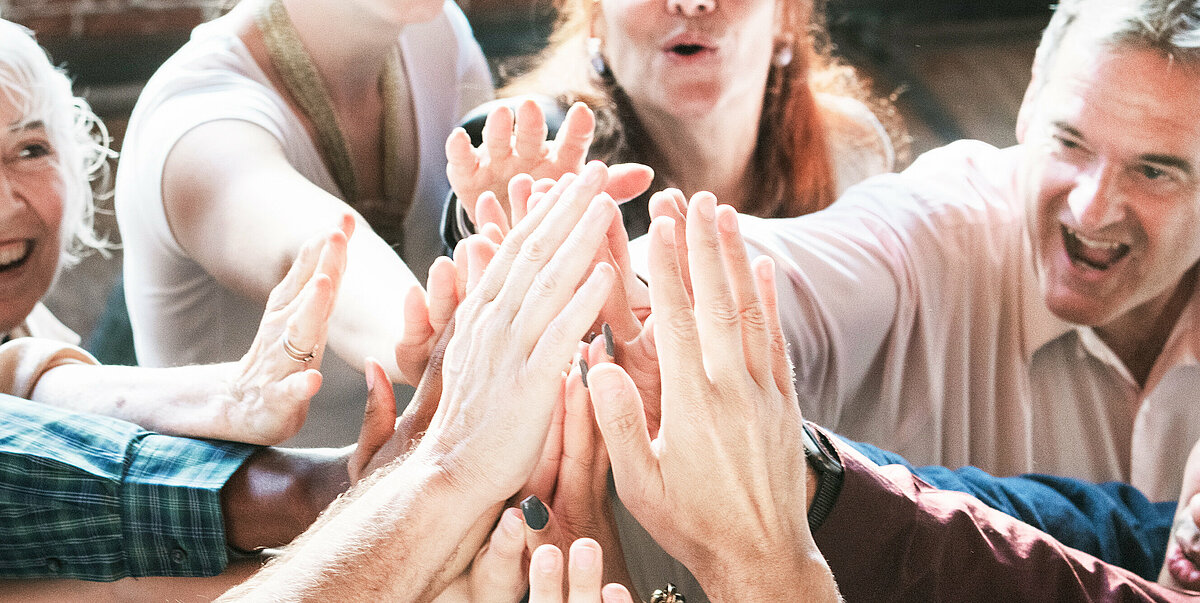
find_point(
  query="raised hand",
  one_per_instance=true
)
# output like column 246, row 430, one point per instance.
column 426, row 317
column 271, row 386
column 516, row 144
column 1181, row 569
column 722, row 485
column 515, row 331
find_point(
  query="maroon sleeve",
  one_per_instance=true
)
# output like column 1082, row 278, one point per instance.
column 892, row 537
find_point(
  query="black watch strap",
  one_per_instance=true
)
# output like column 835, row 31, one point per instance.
column 824, row 459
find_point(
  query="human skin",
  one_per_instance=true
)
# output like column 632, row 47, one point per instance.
column 1112, row 214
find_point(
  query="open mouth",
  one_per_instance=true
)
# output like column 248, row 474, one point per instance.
column 14, row 255
column 1092, row 253
column 688, row 50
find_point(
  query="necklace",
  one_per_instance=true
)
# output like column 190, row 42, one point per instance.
column 304, row 85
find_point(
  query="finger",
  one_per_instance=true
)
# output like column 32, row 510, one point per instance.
column 543, row 479
column 443, row 298
column 461, row 161
column 416, row 320
column 675, row 330
column 514, row 243
column 629, row 180
column 298, row 274
column 557, row 340
column 543, row 185
column 520, row 187
column 531, row 131
column 584, row 571
column 622, row 420
column 379, row 419
column 615, row 593
column 461, row 268
column 489, row 211
column 756, row 340
column 577, row 468
column 553, row 285
column 479, row 255
column 498, row 570
column 781, row 366
column 575, row 137
column 497, row 134
column 307, row 326
column 546, row 575
column 673, row 204
column 573, row 223
column 332, row 262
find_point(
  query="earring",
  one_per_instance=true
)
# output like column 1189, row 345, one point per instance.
column 783, row 56
column 599, row 65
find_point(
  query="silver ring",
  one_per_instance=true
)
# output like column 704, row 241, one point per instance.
column 298, row 355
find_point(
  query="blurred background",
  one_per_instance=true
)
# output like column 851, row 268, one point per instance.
column 955, row 68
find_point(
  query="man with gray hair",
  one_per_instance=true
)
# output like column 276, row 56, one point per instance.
column 1032, row 308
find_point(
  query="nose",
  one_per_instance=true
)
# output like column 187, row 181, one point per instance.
column 1095, row 200
column 691, row 8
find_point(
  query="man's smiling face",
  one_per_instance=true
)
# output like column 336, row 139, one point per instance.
column 1112, row 170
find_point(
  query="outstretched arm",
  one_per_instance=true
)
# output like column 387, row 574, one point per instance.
column 261, row 399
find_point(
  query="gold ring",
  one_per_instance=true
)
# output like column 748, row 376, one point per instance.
column 296, row 354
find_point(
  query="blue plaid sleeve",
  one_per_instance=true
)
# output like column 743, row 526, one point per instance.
column 95, row 498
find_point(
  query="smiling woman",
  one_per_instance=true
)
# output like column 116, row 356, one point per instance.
column 49, row 144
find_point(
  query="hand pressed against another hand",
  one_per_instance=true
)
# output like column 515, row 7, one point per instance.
column 517, row 145
column 270, row 391
column 514, row 332
column 723, row 485
column 426, row 317
column 1181, row 568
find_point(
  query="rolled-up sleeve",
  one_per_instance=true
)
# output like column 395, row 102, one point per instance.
column 90, row 497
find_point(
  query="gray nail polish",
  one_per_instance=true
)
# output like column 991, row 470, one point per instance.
column 536, row 514
column 583, row 369
column 610, row 346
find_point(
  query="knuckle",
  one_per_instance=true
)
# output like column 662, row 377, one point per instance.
column 753, row 316
column 535, row 250
column 625, row 424
column 680, row 323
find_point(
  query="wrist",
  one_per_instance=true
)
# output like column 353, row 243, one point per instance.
column 457, row 473
column 277, row 493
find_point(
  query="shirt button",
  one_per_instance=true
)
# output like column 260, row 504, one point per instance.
column 178, row 556
column 54, row 565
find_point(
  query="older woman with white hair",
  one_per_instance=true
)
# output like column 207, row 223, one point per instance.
column 50, row 143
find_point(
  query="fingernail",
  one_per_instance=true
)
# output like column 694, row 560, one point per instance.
column 610, row 346
column 583, row 369
column 591, row 174
column 511, row 525
column 548, row 563
column 370, row 378
column 583, row 557
column 536, row 515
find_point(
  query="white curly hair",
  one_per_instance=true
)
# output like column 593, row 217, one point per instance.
column 80, row 142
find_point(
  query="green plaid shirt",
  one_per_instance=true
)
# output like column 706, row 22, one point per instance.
column 95, row 498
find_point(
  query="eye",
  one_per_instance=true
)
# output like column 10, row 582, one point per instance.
column 1150, row 172
column 34, row 150
column 1067, row 143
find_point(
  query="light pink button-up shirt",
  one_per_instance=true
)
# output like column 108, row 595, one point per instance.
column 916, row 323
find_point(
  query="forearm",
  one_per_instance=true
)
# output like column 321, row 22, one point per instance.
column 390, row 540
column 189, row 400
column 939, row 545
column 278, row 493
column 368, row 319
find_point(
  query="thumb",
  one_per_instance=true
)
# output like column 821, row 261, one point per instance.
column 622, row 420
column 628, row 180
column 379, row 419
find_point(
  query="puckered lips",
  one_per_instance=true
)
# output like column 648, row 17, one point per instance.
column 14, row 253
column 1092, row 253
column 689, row 46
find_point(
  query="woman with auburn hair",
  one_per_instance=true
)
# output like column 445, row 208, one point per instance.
column 698, row 91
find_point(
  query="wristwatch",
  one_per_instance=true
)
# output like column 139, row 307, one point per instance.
column 824, row 459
